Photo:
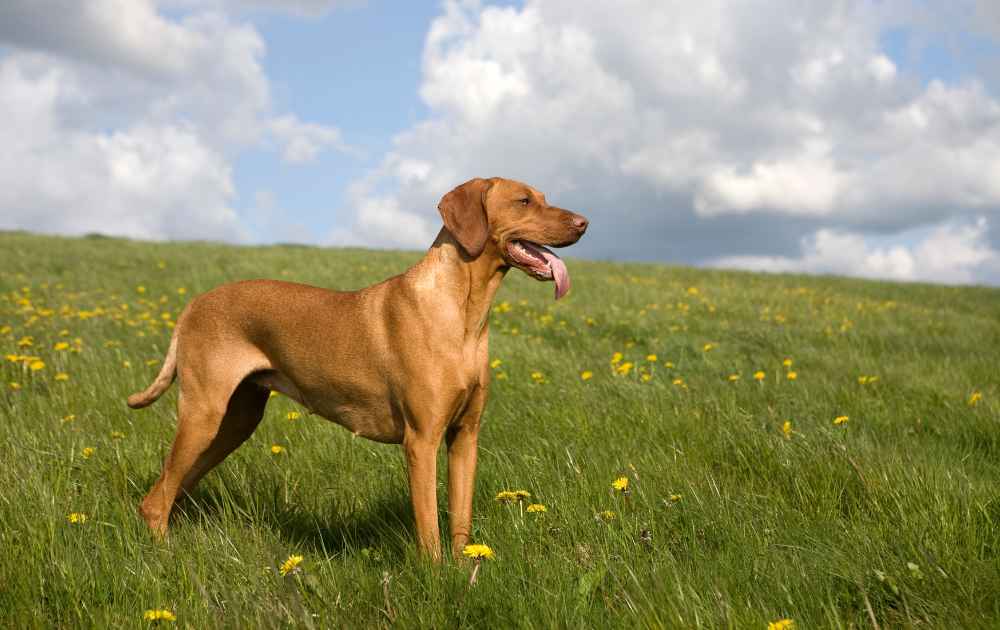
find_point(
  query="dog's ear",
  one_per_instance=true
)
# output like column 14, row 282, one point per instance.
column 464, row 214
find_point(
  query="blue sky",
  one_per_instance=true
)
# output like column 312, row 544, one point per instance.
column 769, row 136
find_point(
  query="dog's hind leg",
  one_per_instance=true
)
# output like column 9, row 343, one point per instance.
column 206, row 434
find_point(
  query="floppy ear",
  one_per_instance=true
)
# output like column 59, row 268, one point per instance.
column 464, row 214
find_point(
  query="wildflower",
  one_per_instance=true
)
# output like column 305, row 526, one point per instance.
column 152, row 361
column 668, row 364
column 291, row 565
column 624, row 368
column 76, row 518
column 293, row 415
column 620, row 484
column 616, row 358
column 678, row 381
column 117, row 435
column 126, row 364
column 787, row 363
column 477, row 552
column 69, row 418
column 14, row 386
column 975, row 398
column 159, row 615
column 26, row 342
column 651, row 358
column 792, row 376
column 647, row 377
column 786, row 429
column 62, row 345
column 521, row 495
column 606, row 516
column 140, row 289
column 759, row 375
column 781, row 624
column 181, row 290
column 37, row 365
column 840, row 420
column 536, row 507
column 708, row 347
column 538, row 377
column 62, row 376
column 586, row 375
column 277, row 449
column 501, row 376
column 495, row 363
column 88, row 452
column 674, row 498
column 733, row 378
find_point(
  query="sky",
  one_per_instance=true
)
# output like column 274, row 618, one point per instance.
column 851, row 138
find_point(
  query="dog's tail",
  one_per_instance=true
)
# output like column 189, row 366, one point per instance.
column 163, row 380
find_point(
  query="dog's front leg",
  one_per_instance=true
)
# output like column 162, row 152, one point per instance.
column 463, row 439
column 421, row 463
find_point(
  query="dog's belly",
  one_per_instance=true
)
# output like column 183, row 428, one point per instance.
column 365, row 416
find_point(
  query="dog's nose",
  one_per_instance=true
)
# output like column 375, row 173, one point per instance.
column 580, row 222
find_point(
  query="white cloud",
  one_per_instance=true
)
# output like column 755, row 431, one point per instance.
column 118, row 119
column 953, row 253
column 660, row 115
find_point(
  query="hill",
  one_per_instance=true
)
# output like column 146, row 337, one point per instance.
column 817, row 449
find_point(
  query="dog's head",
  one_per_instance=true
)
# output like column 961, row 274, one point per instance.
column 517, row 221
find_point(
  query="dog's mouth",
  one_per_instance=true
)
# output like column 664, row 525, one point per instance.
column 540, row 263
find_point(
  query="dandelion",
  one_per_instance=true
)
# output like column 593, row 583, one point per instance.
column 501, row 376
column 607, row 516
column 293, row 415
column 616, row 358
column 733, row 378
column 152, row 361
column 651, row 358
column 68, row 418
column 787, row 363
column 647, row 377
column 117, row 435
column 477, row 553
column 76, row 518
column 786, row 429
column 975, row 398
column 521, row 495
column 624, row 368
column 759, row 375
column 277, row 449
column 840, row 420
column 781, row 624
column 62, row 376
column 678, row 382
column 60, row 346
column 181, row 291
column 708, row 347
column 538, row 377
column 140, row 289
column 159, row 615
column 26, row 342
column 536, row 508
column 37, row 365
column 620, row 484
column 668, row 364
column 495, row 363
column 88, row 452
column 14, row 386
column 291, row 565
column 674, row 498
column 506, row 496
column 586, row 375
column 792, row 376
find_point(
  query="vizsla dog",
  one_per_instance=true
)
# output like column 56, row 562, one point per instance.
column 403, row 361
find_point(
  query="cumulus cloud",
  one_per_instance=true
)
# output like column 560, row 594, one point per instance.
column 663, row 120
column 121, row 120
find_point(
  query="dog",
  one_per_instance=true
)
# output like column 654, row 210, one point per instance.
column 404, row 361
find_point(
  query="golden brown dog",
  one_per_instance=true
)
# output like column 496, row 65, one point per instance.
column 403, row 361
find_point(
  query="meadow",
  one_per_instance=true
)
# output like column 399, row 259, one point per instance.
column 808, row 450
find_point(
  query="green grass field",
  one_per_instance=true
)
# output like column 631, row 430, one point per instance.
column 734, row 519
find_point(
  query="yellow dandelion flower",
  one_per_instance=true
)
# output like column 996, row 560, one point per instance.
column 293, row 415
column 708, row 347
column 620, row 484
column 536, row 507
column 506, row 496
column 606, row 515
column 733, row 378
column 792, row 375
column 88, row 452
column 291, row 565
column 668, row 364
column 77, row 518
column 140, row 289
column 624, row 368
column 152, row 361
column 521, row 495
column 477, row 552
column 161, row 614
column 14, row 386
column 181, row 291
column 62, row 345
column 840, row 420
column 646, row 378
column 787, row 363
column 975, row 398
column 501, row 376
column 786, row 429
column 62, row 376
column 759, row 375
column 26, row 342
column 674, row 498
column 678, row 381
column 781, row 624
column 117, row 435
column 126, row 364
column 617, row 357
column 651, row 357
column 37, row 365
column 495, row 363
column 538, row 377
column 69, row 418
column 277, row 449
column 586, row 375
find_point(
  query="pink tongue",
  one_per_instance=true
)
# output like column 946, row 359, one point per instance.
column 559, row 272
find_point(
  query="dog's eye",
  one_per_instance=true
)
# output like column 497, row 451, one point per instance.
column 524, row 201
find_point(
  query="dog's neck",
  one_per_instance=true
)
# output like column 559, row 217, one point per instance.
column 470, row 282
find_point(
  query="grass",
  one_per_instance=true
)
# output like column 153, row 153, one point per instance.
column 891, row 518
